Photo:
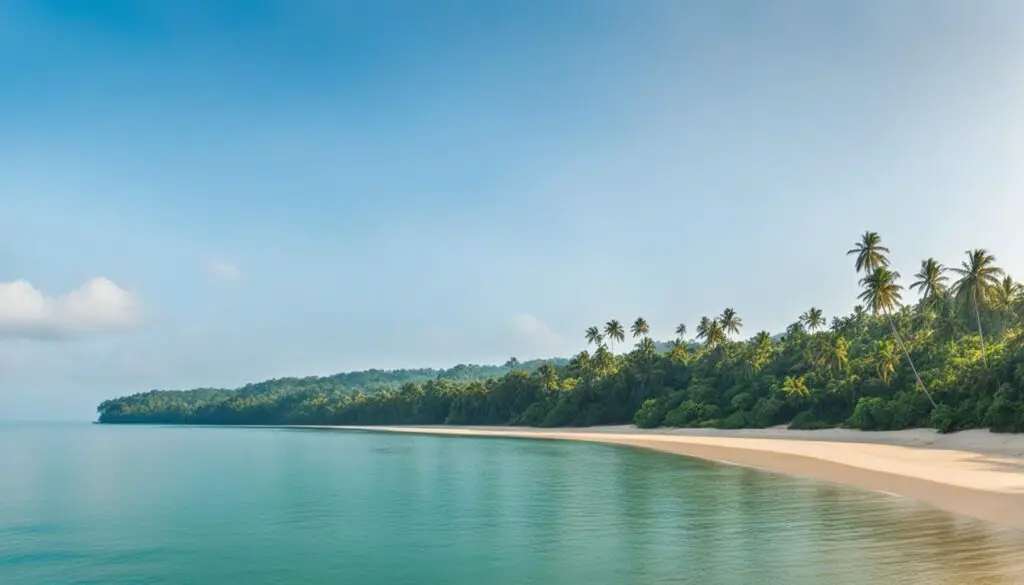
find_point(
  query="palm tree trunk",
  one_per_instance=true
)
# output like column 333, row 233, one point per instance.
column 909, row 359
column 981, row 336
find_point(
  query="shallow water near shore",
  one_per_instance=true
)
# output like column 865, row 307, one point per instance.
column 159, row 505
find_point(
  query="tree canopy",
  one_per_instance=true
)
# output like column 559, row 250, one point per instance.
column 890, row 364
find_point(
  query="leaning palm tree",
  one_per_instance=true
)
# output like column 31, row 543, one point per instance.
column 730, row 322
column 594, row 336
column 614, row 332
column 882, row 295
column 871, row 254
column 931, row 281
column 813, row 319
column 978, row 276
column 681, row 330
column 639, row 327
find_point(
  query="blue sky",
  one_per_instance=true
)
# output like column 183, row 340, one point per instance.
column 210, row 193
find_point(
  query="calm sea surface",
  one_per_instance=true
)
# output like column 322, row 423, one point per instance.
column 224, row 506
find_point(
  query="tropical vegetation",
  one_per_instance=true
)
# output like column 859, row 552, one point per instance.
column 952, row 359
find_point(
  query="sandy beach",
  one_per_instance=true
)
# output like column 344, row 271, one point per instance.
column 973, row 473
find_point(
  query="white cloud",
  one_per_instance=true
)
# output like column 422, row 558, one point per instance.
column 97, row 305
column 221, row 271
column 533, row 337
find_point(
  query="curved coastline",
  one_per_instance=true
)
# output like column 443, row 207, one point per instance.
column 985, row 485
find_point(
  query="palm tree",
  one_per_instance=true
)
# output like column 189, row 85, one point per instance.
column 762, row 339
column 813, row 319
column 931, row 281
column 679, row 353
column 681, row 330
column 640, row 327
column 836, row 356
column 882, row 295
column 614, row 332
column 580, row 361
column 715, row 334
column 871, row 254
column 795, row 386
column 603, row 360
column 594, row 336
column 1007, row 294
column 761, row 348
column 702, row 328
column 886, row 361
column 646, row 347
column 947, row 323
column 837, row 324
column 549, row 376
column 1007, row 298
column 512, row 363
column 730, row 322
column 858, row 314
column 978, row 276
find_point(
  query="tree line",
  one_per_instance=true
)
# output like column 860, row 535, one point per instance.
column 951, row 359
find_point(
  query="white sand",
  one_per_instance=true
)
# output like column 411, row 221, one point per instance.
column 974, row 473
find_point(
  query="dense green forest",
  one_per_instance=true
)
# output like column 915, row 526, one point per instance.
column 182, row 406
column 953, row 358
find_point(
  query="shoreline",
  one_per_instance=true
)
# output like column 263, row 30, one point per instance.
column 975, row 476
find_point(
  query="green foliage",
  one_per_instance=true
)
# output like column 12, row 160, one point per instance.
column 1005, row 413
column 690, row 413
column 736, row 420
column 877, row 368
column 871, row 414
column 944, row 418
column 807, row 420
column 650, row 415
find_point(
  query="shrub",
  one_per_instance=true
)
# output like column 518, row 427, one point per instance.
column 742, row 401
column 689, row 413
column 1004, row 415
column 559, row 416
column 870, row 414
column 767, row 412
column 533, row 416
column 650, row 415
column 736, row 420
column 943, row 419
column 808, row 421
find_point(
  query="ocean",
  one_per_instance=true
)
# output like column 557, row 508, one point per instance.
column 119, row 505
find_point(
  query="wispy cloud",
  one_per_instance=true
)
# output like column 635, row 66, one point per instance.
column 221, row 271
column 533, row 337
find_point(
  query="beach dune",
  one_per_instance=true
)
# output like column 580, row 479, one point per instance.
column 973, row 473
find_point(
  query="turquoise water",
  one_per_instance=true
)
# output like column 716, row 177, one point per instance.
column 224, row 506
